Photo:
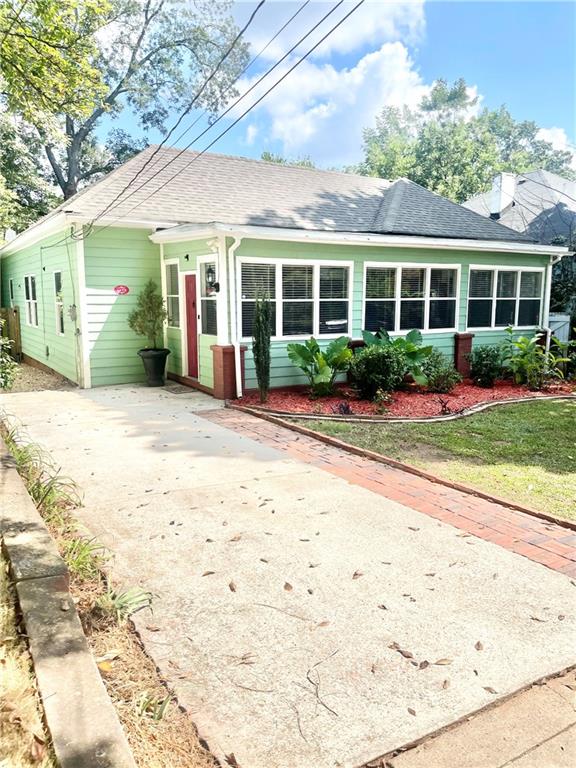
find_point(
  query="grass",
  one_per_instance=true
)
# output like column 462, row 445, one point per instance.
column 524, row 452
column 160, row 734
column 23, row 739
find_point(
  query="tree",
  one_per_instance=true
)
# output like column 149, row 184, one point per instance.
column 301, row 162
column 261, row 343
column 445, row 148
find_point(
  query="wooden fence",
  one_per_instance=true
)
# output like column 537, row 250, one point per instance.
column 11, row 330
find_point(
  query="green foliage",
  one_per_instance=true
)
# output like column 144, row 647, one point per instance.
column 261, row 344
column 300, row 162
column 410, row 346
column 153, row 706
column 84, row 557
column 526, row 359
column 376, row 369
column 441, row 375
column 486, row 365
column 8, row 367
column 443, row 148
column 148, row 318
column 321, row 366
column 122, row 604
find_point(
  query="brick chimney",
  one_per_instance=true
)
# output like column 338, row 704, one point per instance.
column 502, row 196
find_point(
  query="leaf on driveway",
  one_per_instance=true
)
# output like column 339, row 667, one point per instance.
column 394, row 646
column 38, row 749
column 232, row 586
column 231, row 760
column 105, row 666
column 152, row 628
column 323, row 623
column 382, row 607
column 413, row 528
column 237, row 537
column 423, row 664
column 442, row 662
column 446, row 684
column 288, row 587
column 489, row 689
column 479, row 646
column 208, row 573
column 412, row 711
column 357, row 574
column 406, row 654
column 537, row 618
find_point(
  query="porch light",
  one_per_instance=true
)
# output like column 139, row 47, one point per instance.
column 211, row 278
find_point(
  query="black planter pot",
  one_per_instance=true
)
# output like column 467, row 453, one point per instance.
column 155, row 365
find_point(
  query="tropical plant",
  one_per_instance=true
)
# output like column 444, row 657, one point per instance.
column 321, row 367
column 441, row 375
column 377, row 368
column 149, row 315
column 529, row 362
column 153, row 706
column 84, row 557
column 411, row 347
column 8, row 367
column 122, row 604
column 261, row 343
column 485, row 365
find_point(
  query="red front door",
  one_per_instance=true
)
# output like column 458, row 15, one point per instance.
column 192, row 326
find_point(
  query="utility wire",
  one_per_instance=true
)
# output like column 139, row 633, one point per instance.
column 239, row 99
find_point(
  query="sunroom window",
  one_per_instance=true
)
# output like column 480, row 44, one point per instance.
column 258, row 281
column 297, row 300
column 499, row 298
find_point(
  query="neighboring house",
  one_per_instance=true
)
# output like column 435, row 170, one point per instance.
column 337, row 254
column 539, row 204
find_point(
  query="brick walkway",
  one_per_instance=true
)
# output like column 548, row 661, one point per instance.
column 547, row 543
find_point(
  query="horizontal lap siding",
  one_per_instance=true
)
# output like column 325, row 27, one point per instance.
column 113, row 257
column 205, row 361
column 174, row 344
column 284, row 373
column 43, row 343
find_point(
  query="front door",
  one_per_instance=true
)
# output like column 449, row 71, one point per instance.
column 192, row 326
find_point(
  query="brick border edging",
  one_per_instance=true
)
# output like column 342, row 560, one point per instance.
column 80, row 717
column 373, row 419
column 380, row 458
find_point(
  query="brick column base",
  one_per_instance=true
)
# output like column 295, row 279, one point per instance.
column 225, row 371
column 462, row 348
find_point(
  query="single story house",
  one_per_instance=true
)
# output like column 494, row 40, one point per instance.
column 338, row 253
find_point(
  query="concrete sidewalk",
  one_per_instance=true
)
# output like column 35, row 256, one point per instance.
column 303, row 621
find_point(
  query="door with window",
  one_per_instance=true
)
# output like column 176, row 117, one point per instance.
column 192, row 325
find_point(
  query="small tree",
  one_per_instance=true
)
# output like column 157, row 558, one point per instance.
column 261, row 343
column 148, row 318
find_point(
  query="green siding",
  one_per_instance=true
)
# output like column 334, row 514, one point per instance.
column 116, row 256
column 284, row 373
column 192, row 249
column 43, row 343
column 174, row 344
column 205, row 362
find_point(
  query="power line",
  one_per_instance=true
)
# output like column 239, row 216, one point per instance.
column 554, row 189
column 234, row 104
column 241, row 117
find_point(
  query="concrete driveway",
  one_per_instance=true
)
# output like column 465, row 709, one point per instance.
column 304, row 622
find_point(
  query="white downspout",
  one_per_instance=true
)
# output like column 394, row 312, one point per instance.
column 546, row 317
column 234, row 313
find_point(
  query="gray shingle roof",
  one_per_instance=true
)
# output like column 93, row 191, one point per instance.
column 238, row 191
column 543, row 208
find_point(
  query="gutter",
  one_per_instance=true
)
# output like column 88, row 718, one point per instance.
column 234, row 314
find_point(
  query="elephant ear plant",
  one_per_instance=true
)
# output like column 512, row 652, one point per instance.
column 147, row 319
column 321, row 366
column 410, row 346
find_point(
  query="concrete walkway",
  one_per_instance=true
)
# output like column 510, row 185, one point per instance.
column 304, row 621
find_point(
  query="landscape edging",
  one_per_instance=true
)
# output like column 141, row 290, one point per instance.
column 366, row 453
column 80, row 717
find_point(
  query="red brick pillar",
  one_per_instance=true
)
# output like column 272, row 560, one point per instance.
column 225, row 371
column 462, row 348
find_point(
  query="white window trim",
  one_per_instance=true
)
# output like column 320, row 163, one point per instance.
column 495, row 269
column 57, row 303
column 427, row 298
column 212, row 259
column 167, row 263
column 316, row 263
column 11, row 293
column 29, row 303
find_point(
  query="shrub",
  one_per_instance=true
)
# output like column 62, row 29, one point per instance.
column 8, row 367
column 377, row 368
column 321, row 366
column 529, row 362
column 261, row 344
column 485, row 365
column 147, row 319
column 411, row 347
column 441, row 375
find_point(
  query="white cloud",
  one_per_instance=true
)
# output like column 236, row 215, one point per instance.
column 321, row 110
column 375, row 22
column 251, row 132
column 559, row 140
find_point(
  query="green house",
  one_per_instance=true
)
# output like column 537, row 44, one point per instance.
column 337, row 253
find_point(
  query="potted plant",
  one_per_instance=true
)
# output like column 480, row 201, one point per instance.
column 147, row 320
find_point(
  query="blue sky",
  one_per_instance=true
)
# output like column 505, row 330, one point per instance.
column 522, row 54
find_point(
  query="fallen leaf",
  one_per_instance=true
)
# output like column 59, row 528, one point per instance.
column 313, row 565
column 383, row 607
column 561, row 617
column 231, row 760
column 412, row 711
column 38, row 749
column 208, row 573
column 406, row 654
column 323, row 623
column 232, row 586
column 412, row 528
column 442, row 662
column 357, row 574
column 105, row 667
column 423, row 664
column 446, row 684
column 489, row 689
column 263, row 560
column 536, row 618
column 152, row 628
column 394, row 646
column 429, row 574
column 288, row 587
column 373, row 668
column 479, row 646
column 237, row 537
column 109, row 656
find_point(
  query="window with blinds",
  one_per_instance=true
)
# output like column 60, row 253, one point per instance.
column 403, row 298
column 30, row 300
column 172, row 295
column 307, row 299
column 498, row 298
column 58, row 303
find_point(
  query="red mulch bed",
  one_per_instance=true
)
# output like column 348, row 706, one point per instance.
column 410, row 403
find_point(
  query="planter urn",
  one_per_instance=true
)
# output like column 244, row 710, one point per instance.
column 154, row 365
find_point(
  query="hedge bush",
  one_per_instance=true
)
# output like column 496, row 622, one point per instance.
column 486, row 365
column 441, row 374
column 377, row 368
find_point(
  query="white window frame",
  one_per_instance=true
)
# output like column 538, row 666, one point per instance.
column 58, row 304
column 495, row 269
column 316, row 264
column 167, row 263
column 213, row 259
column 11, row 292
column 31, row 304
column 397, row 299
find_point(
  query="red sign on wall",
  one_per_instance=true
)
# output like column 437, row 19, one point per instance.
column 121, row 290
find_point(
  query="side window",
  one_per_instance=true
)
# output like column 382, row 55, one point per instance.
column 11, row 291
column 58, row 303
column 172, row 295
column 30, row 300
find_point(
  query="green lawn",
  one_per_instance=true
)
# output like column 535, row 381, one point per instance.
column 524, row 452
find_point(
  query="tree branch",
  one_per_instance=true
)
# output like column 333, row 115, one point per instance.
column 55, row 167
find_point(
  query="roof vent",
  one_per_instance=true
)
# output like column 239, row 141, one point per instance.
column 503, row 189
